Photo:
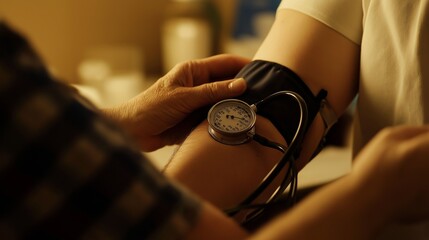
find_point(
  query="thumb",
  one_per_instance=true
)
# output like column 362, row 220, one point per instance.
column 236, row 87
column 216, row 91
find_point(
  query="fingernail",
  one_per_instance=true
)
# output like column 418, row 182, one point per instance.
column 237, row 85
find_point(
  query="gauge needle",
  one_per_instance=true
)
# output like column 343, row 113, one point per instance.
column 233, row 117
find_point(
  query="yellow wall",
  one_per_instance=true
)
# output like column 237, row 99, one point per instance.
column 62, row 30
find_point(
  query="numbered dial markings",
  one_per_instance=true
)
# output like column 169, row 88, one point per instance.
column 232, row 116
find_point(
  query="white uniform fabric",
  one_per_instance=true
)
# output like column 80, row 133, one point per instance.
column 394, row 74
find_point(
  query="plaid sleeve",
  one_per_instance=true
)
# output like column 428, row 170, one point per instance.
column 66, row 172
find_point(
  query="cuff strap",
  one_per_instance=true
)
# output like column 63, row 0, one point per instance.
column 265, row 78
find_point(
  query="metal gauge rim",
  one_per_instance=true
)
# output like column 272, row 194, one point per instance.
column 231, row 137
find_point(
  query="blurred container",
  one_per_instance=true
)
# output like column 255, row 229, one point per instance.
column 189, row 31
column 116, row 72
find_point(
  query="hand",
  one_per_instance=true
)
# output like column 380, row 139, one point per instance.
column 161, row 115
column 395, row 165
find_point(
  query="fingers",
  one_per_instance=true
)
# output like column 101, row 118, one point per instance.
column 218, row 67
column 403, row 132
column 420, row 142
column 212, row 92
column 395, row 138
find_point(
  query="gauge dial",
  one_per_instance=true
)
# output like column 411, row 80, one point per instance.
column 230, row 121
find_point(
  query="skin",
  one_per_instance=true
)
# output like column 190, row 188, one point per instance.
column 343, row 209
column 317, row 61
column 371, row 197
column 162, row 119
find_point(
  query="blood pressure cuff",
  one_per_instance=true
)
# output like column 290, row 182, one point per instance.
column 265, row 78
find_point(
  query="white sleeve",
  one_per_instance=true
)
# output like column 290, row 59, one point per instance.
column 344, row 16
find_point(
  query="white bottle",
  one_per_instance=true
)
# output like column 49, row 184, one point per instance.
column 187, row 32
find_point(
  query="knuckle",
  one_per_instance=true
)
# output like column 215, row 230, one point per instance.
column 181, row 65
column 390, row 134
column 188, row 71
column 211, row 90
column 187, row 65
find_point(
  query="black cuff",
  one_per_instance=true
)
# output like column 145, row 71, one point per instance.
column 265, row 78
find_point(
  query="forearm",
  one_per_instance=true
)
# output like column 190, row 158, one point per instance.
column 214, row 225
column 345, row 209
column 113, row 113
column 223, row 174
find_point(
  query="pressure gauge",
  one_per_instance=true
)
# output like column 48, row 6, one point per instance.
column 232, row 121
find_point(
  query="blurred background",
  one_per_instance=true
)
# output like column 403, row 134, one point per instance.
column 89, row 42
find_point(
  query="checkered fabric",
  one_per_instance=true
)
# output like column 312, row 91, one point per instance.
column 68, row 173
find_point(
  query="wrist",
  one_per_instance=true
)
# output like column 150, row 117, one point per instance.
column 111, row 113
column 376, row 204
column 118, row 114
column 344, row 209
column 121, row 116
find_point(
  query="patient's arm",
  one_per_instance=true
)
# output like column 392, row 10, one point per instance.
column 323, row 58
